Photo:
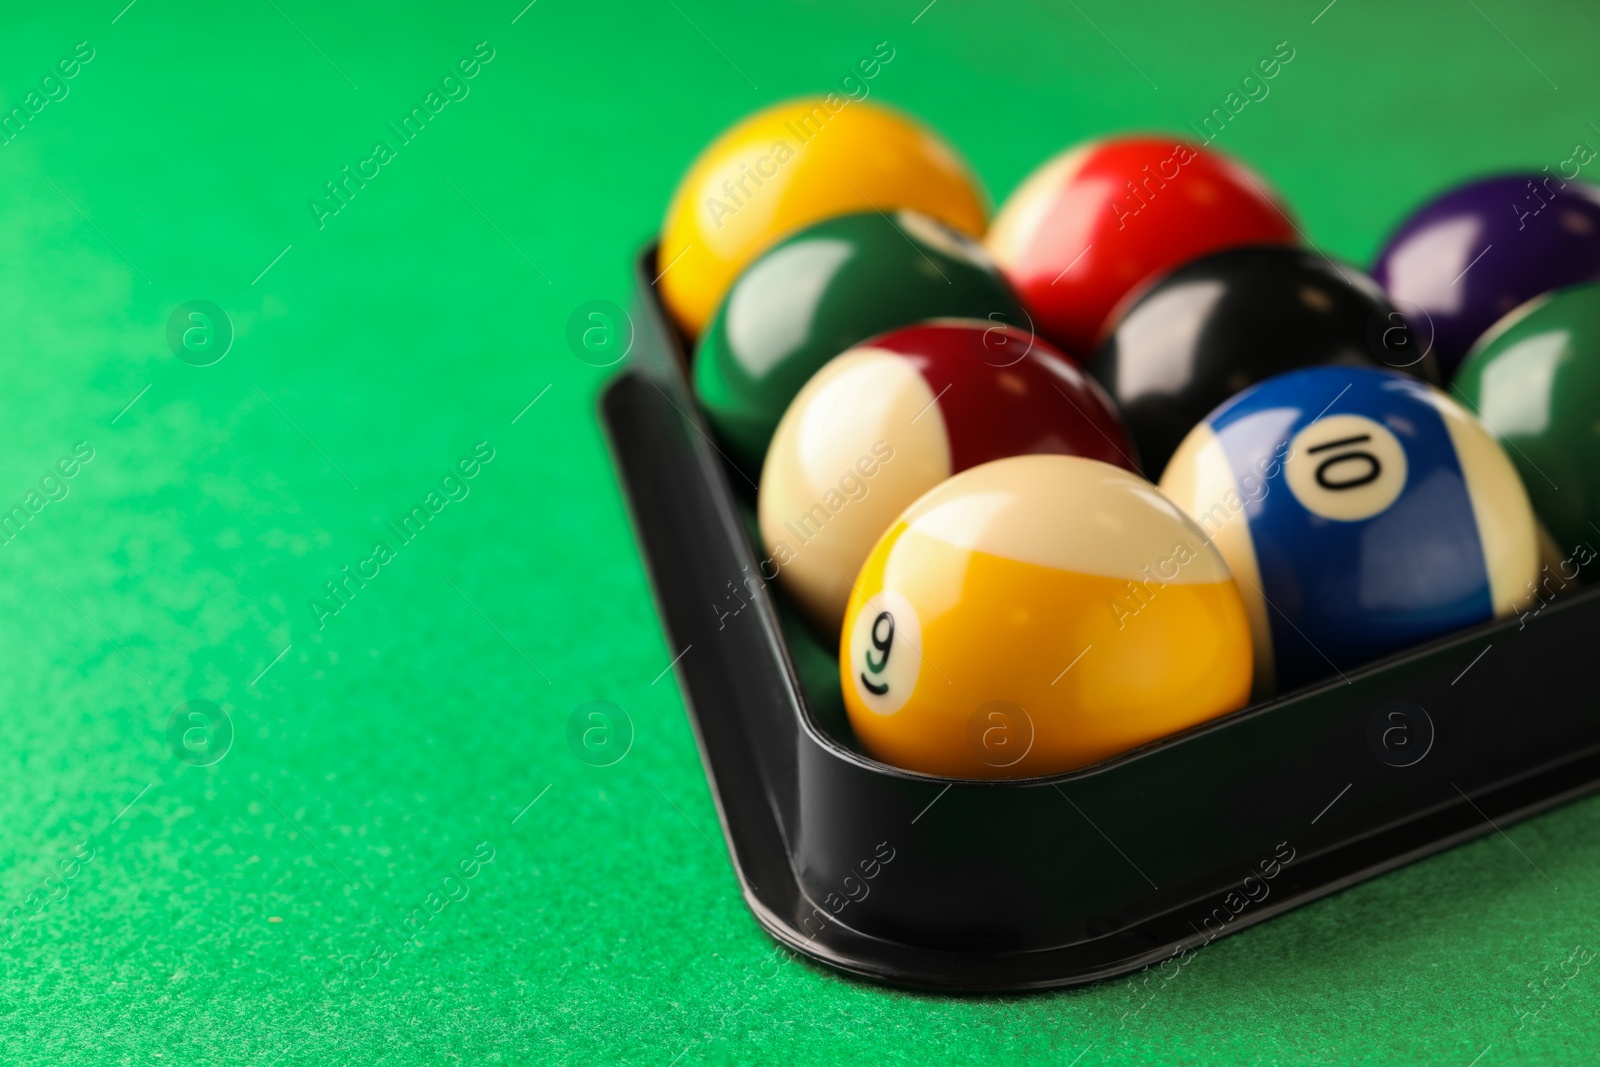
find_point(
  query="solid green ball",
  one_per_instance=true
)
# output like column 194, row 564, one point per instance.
column 1534, row 378
column 822, row 290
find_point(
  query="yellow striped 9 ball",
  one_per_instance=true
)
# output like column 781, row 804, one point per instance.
column 1037, row 614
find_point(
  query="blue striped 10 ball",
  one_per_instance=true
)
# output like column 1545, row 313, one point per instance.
column 1361, row 512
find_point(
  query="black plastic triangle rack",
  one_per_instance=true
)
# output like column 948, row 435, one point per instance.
column 1137, row 861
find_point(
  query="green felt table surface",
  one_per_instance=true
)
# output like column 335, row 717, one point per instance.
column 360, row 877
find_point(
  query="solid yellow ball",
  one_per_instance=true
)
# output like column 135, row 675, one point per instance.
column 791, row 165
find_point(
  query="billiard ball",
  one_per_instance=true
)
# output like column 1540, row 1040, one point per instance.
column 1475, row 253
column 1221, row 323
column 793, row 164
column 818, row 292
column 1361, row 511
column 888, row 420
column 1096, row 221
column 1534, row 377
column 1037, row 614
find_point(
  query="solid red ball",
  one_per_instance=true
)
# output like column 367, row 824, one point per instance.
column 1097, row 221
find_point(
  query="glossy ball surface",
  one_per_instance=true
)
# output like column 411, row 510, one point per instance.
column 820, row 291
column 1038, row 614
column 1361, row 511
column 1095, row 222
column 1466, row 258
column 1222, row 323
column 1535, row 379
column 891, row 418
column 793, row 164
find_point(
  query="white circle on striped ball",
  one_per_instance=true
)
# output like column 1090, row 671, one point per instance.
column 884, row 652
column 1345, row 467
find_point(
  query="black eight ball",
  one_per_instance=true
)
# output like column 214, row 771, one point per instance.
column 1221, row 323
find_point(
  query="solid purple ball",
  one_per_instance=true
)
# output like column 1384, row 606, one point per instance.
column 1478, row 251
